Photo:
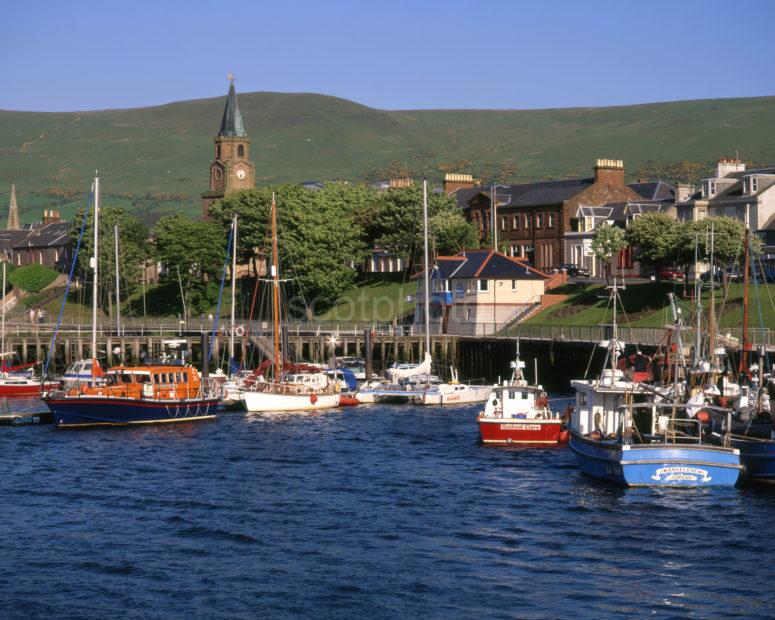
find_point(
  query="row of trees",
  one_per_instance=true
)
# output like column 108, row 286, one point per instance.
column 661, row 240
column 321, row 234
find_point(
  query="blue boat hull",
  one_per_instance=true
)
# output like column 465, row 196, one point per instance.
column 657, row 464
column 758, row 457
column 83, row 412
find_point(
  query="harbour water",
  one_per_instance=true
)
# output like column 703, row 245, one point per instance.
column 371, row 511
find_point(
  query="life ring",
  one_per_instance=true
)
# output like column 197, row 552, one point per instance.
column 542, row 402
column 313, row 398
column 239, row 331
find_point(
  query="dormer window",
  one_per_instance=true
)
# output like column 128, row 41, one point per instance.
column 709, row 189
column 754, row 185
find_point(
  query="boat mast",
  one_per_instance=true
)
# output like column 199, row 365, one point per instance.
column 614, row 335
column 275, row 295
column 698, row 308
column 118, row 294
column 2, row 332
column 95, row 267
column 712, row 309
column 743, row 367
column 427, row 304
column 233, row 286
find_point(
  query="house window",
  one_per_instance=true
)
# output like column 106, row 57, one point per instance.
column 483, row 285
column 513, row 250
column 240, row 151
column 754, row 185
column 513, row 285
column 540, row 220
column 504, row 223
column 551, row 220
column 527, row 221
column 515, row 222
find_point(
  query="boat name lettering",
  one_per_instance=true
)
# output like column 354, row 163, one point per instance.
column 520, row 427
column 680, row 472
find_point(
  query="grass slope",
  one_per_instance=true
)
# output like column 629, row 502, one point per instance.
column 156, row 159
column 647, row 305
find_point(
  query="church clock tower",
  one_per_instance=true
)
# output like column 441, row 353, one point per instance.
column 231, row 169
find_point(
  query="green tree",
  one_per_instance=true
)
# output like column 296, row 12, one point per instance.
column 655, row 237
column 318, row 236
column 196, row 250
column 132, row 246
column 397, row 225
column 451, row 233
column 607, row 242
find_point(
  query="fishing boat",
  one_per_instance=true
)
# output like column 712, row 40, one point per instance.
column 621, row 434
column 403, row 384
column 285, row 392
column 518, row 413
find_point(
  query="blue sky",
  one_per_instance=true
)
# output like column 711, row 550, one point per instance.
column 394, row 54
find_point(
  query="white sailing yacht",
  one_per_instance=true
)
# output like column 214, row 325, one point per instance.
column 299, row 391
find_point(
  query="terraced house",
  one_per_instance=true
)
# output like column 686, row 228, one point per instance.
column 531, row 219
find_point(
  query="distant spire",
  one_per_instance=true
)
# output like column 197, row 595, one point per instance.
column 13, row 212
column 231, row 125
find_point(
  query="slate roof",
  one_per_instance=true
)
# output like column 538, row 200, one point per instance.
column 231, row 123
column 9, row 238
column 50, row 235
column 484, row 264
column 654, row 190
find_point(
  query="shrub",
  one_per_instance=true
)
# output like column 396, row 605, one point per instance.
column 32, row 278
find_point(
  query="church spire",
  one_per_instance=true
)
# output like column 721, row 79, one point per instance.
column 231, row 124
column 13, row 212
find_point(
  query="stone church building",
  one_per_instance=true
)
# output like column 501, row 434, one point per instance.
column 231, row 169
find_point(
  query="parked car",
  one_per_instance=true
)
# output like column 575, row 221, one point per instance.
column 671, row 273
column 574, row 271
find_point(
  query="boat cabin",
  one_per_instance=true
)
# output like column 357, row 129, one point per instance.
column 146, row 382
column 517, row 401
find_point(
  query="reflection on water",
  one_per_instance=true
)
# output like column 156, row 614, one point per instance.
column 385, row 511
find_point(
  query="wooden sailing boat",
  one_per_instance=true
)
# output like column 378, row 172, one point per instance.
column 297, row 391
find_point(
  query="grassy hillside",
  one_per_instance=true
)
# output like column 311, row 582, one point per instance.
column 156, row 159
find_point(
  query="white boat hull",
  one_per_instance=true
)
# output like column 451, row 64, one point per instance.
column 258, row 402
column 446, row 396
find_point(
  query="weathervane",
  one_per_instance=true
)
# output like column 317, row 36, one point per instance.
column 230, row 77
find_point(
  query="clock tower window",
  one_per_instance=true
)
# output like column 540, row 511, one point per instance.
column 240, row 151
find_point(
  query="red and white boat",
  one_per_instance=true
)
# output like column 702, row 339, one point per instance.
column 518, row 413
column 18, row 382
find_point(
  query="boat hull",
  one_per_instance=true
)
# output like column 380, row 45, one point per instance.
column 268, row 402
column 520, row 431
column 75, row 412
column 758, row 457
column 22, row 388
column 657, row 464
column 472, row 394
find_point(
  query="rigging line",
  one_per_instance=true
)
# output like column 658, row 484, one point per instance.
column 592, row 354
column 52, row 344
column 220, row 295
column 726, row 292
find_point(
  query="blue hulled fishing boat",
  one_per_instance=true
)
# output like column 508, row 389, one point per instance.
column 626, row 432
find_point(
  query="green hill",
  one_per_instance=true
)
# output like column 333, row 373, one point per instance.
column 157, row 158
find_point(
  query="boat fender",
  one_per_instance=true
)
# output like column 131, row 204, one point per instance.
column 703, row 416
column 542, row 402
column 239, row 331
column 313, row 398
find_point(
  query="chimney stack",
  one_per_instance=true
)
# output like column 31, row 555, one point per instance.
column 683, row 191
column 399, row 183
column 454, row 181
column 727, row 165
column 609, row 172
column 51, row 216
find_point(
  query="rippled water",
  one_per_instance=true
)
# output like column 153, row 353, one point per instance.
column 379, row 511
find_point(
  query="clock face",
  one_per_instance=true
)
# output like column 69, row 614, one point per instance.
column 241, row 174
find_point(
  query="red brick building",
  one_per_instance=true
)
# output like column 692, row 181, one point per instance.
column 532, row 218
